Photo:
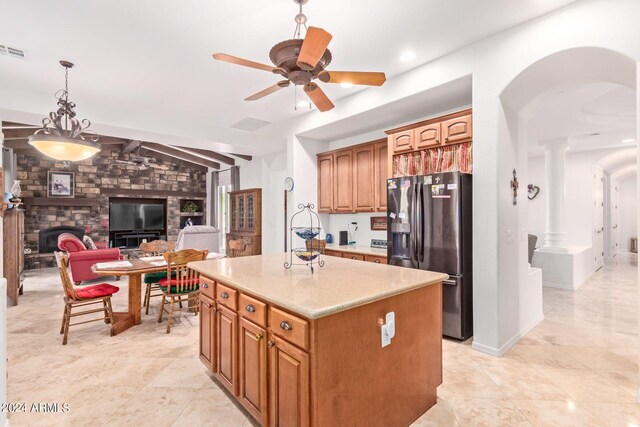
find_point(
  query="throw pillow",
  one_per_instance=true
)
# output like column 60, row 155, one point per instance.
column 88, row 242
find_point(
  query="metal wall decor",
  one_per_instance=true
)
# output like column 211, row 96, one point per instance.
column 532, row 191
column 514, row 186
column 63, row 136
column 309, row 254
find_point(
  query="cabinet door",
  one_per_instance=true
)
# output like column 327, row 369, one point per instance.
column 380, row 171
column 402, row 142
column 233, row 211
column 343, row 180
column 227, row 348
column 250, row 217
column 288, row 384
column 253, row 369
column 207, row 332
column 363, row 179
column 242, row 212
column 325, row 183
column 427, row 136
column 457, row 130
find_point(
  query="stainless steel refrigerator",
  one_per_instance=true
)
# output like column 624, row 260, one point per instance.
column 430, row 228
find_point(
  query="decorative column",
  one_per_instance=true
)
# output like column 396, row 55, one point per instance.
column 555, row 156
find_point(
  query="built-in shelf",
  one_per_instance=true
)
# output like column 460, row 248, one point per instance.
column 191, row 213
column 54, row 201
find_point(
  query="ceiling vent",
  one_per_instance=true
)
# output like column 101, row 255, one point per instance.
column 250, row 124
column 11, row 51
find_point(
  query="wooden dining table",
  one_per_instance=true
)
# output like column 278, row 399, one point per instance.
column 125, row 320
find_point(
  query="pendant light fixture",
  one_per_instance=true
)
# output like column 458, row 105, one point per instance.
column 62, row 136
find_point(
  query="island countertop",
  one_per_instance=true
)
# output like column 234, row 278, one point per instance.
column 340, row 285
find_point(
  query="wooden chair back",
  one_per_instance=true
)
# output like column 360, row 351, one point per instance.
column 237, row 248
column 182, row 277
column 157, row 247
column 63, row 267
column 316, row 244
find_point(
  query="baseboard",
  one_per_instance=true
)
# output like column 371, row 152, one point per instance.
column 499, row 352
column 584, row 280
column 558, row 286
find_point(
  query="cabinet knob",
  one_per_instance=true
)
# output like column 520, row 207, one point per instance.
column 377, row 261
column 286, row 325
column 250, row 308
column 353, row 257
column 224, row 295
column 270, row 343
column 446, row 139
column 204, row 285
column 258, row 336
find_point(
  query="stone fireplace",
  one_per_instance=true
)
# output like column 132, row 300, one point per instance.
column 48, row 237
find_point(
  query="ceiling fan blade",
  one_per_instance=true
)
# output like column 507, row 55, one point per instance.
column 353, row 77
column 245, row 62
column 318, row 97
column 268, row 91
column 313, row 47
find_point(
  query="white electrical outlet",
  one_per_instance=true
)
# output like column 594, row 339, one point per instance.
column 388, row 330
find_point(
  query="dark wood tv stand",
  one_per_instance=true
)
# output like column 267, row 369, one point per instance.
column 132, row 239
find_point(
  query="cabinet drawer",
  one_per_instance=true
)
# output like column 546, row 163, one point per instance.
column 207, row 287
column 333, row 253
column 357, row 257
column 227, row 296
column 254, row 310
column 376, row 259
column 289, row 327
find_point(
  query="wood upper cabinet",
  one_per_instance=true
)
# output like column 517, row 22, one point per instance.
column 364, row 183
column 227, row 348
column 253, row 369
column 457, row 130
column 402, row 142
column 325, row 182
column 207, row 329
column 381, row 150
column 427, row 136
column 288, row 384
column 343, row 188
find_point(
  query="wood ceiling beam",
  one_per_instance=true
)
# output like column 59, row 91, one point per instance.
column 169, row 151
column 128, row 147
column 241, row 156
column 210, row 154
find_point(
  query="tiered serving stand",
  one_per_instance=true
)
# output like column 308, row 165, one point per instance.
column 309, row 254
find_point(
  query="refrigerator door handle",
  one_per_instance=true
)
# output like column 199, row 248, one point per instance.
column 413, row 220
column 422, row 220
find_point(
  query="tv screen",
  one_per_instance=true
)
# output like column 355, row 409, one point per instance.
column 136, row 216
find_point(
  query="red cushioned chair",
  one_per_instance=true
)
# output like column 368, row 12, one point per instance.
column 81, row 259
column 88, row 295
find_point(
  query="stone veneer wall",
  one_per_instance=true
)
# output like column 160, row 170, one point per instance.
column 92, row 176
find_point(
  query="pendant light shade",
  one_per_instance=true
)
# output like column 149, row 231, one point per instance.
column 62, row 136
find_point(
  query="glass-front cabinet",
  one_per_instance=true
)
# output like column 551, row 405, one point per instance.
column 246, row 219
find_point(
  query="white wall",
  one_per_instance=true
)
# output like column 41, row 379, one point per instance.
column 579, row 201
column 628, row 208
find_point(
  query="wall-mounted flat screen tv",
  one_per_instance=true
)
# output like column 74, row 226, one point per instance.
column 136, row 216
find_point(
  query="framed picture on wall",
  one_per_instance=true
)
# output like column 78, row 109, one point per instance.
column 378, row 223
column 60, row 184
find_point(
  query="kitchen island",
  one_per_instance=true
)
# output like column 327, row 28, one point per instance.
column 302, row 349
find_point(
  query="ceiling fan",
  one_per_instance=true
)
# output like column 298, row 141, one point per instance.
column 142, row 162
column 301, row 61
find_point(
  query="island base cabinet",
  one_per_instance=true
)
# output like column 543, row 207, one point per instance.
column 207, row 329
column 253, row 370
column 227, row 348
column 288, row 385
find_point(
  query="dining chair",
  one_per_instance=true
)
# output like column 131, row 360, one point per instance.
column 316, row 244
column 81, row 297
column 181, row 283
column 237, row 248
column 154, row 248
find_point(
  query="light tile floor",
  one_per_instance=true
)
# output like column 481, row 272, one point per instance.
column 578, row 367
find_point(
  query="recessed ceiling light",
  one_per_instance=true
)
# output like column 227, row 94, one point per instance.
column 407, row 57
column 346, row 85
column 628, row 141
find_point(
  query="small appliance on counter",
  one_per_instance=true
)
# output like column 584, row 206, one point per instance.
column 344, row 238
column 379, row 243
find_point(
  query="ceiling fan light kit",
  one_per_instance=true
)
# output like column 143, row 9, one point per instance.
column 62, row 135
column 301, row 61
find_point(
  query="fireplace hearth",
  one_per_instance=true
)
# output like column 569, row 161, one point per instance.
column 48, row 238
